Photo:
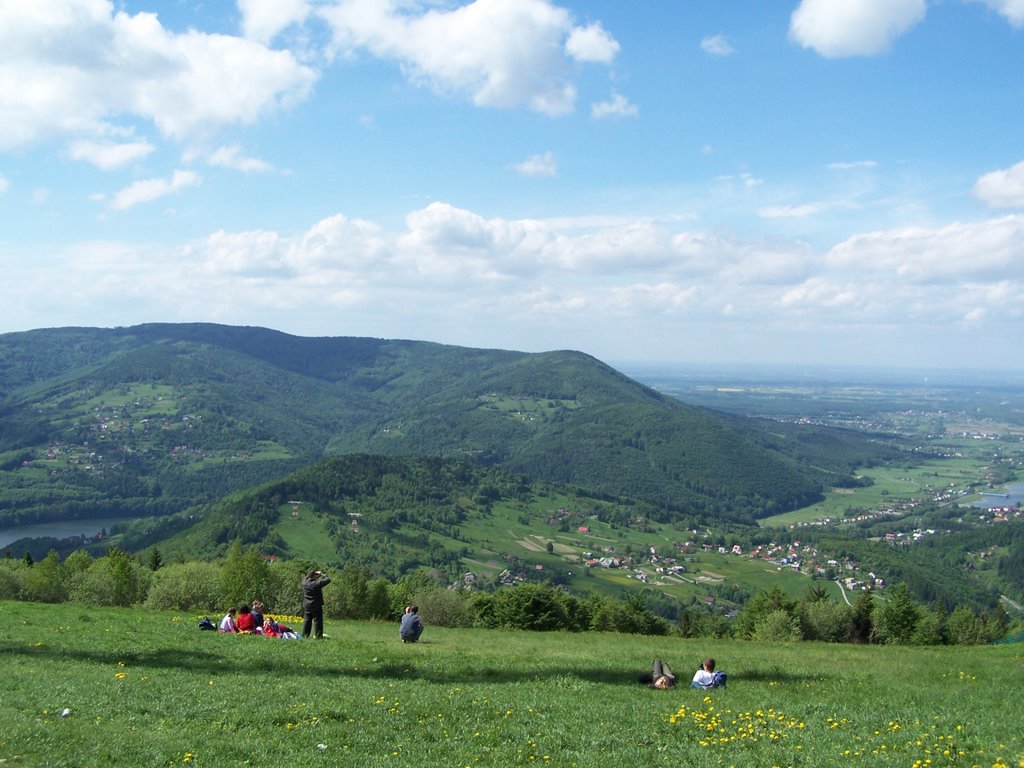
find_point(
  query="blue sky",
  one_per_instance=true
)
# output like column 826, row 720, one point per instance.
column 812, row 182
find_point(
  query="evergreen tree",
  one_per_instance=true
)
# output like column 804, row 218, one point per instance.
column 244, row 576
column 896, row 619
column 862, row 619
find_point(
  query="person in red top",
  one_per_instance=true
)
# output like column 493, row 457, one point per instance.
column 245, row 621
column 271, row 628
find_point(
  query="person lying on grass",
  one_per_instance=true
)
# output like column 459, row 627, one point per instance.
column 661, row 676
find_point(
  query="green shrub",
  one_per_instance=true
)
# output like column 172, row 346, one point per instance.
column 115, row 580
column 777, row 627
column 192, row 586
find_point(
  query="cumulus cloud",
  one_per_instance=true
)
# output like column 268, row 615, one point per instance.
column 263, row 20
column 538, row 165
column 1011, row 10
column 499, row 53
column 1003, row 188
column 233, row 157
column 79, row 67
column 592, row 44
column 109, row 155
column 841, row 28
column 617, row 106
column 457, row 269
column 979, row 251
column 717, row 45
column 148, row 190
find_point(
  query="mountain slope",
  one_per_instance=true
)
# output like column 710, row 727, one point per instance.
column 153, row 418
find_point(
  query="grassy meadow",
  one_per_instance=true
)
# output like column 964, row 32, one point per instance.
column 116, row 687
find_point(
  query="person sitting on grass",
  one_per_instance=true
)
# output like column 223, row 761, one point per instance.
column 227, row 624
column 412, row 625
column 706, row 677
column 246, row 621
column 257, row 612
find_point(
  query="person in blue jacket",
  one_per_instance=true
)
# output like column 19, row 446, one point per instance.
column 412, row 625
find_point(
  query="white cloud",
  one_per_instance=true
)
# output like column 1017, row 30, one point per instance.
column 1003, row 188
column 851, row 165
column 592, row 44
column 108, row 155
column 78, row 67
column 538, row 165
column 717, row 45
column 748, row 180
column 980, row 251
column 1011, row 10
column 149, row 190
column 617, row 106
column 263, row 20
column 4, row 184
column 840, row 28
column 451, row 270
column 232, row 157
column 500, row 53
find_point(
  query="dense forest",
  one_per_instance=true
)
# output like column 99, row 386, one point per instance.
column 153, row 419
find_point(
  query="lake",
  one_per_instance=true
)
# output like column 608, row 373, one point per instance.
column 1015, row 495
column 57, row 530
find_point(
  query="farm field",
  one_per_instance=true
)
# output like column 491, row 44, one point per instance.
column 116, row 687
column 891, row 485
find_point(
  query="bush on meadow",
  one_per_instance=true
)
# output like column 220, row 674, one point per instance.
column 929, row 627
column 895, row 619
column 11, row 574
column 443, row 607
column 825, row 620
column 244, row 575
column 116, row 580
column 778, row 626
column 759, row 607
column 964, row 628
column 699, row 621
column 43, row 582
column 192, row 586
column 536, row 607
column 282, row 594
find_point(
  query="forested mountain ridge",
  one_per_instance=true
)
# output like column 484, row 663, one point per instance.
column 153, row 418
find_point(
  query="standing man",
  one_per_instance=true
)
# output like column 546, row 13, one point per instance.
column 313, row 603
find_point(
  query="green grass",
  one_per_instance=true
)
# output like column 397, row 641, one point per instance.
column 149, row 689
column 891, row 485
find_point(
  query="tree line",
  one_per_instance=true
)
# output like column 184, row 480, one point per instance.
column 244, row 575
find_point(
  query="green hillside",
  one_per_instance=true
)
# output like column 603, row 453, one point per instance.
column 152, row 419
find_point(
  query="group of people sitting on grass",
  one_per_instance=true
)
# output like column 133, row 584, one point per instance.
column 248, row 620
column 661, row 676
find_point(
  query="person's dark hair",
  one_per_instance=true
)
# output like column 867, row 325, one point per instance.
column 414, row 608
column 243, row 609
column 312, row 574
column 709, row 664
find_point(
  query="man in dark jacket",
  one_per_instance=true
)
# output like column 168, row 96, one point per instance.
column 412, row 625
column 313, row 603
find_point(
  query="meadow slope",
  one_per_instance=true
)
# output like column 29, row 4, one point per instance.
column 115, row 687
